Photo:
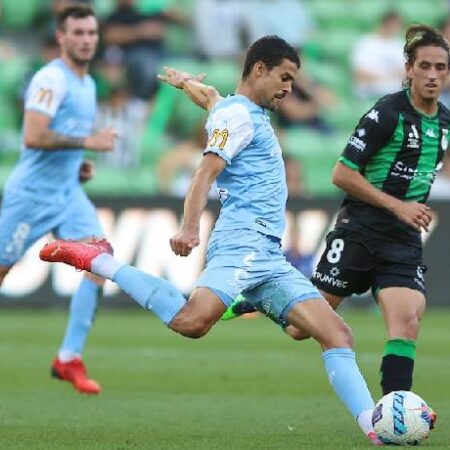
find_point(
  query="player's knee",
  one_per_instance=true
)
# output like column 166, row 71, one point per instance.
column 296, row 334
column 190, row 327
column 409, row 327
column 342, row 336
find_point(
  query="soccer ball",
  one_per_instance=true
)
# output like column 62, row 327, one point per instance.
column 401, row 418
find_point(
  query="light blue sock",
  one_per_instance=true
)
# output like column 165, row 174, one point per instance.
column 82, row 311
column 346, row 379
column 152, row 293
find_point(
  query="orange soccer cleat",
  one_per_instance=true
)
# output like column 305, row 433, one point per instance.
column 75, row 372
column 75, row 253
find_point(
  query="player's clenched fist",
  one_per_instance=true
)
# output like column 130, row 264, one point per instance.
column 103, row 141
column 183, row 242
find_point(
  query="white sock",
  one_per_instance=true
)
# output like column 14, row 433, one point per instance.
column 105, row 265
column 365, row 421
column 65, row 356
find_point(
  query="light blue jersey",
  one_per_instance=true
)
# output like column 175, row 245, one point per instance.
column 70, row 101
column 244, row 252
column 252, row 187
column 43, row 193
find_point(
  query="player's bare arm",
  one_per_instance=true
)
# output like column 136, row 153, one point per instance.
column 415, row 214
column 188, row 237
column 201, row 94
column 37, row 134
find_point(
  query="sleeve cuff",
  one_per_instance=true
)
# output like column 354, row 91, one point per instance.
column 348, row 163
column 219, row 153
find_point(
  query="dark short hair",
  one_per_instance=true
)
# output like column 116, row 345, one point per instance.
column 271, row 50
column 423, row 36
column 75, row 11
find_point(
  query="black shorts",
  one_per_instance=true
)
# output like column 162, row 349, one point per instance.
column 352, row 263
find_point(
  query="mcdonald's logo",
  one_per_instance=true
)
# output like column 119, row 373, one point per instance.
column 44, row 96
column 219, row 138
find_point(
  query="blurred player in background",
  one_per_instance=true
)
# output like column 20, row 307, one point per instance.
column 43, row 194
column 244, row 253
column 387, row 170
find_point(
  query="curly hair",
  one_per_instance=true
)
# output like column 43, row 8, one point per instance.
column 422, row 36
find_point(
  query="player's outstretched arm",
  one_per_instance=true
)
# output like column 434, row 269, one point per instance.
column 201, row 94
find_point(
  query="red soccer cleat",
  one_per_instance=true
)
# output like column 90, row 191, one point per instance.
column 75, row 253
column 74, row 372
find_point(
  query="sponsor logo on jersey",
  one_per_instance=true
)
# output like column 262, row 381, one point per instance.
column 401, row 170
column 44, row 96
column 361, row 132
column 358, row 143
column 373, row 114
column 413, row 138
column 334, row 271
column 222, row 193
column 329, row 279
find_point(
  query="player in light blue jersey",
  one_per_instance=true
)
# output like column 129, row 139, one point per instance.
column 43, row 193
column 244, row 253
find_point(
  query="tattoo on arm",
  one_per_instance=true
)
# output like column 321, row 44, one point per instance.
column 49, row 140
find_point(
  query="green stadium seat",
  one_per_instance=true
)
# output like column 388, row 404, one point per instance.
column 366, row 14
column 115, row 181
column 300, row 142
column 317, row 154
column 11, row 76
column 330, row 74
column 19, row 13
column 223, row 75
column 329, row 13
column 153, row 6
column 104, row 7
column 179, row 40
column 430, row 13
column 336, row 44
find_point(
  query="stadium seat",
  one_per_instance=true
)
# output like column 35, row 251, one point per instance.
column 336, row 44
column 17, row 14
column 104, row 7
column 300, row 142
column 330, row 74
column 317, row 154
column 330, row 13
column 153, row 6
column 178, row 40
column 223, row 75
column 423, row 11
column 114, row 181
column 11, row 76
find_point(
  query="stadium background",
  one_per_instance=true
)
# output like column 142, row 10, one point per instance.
column 246, row 386
column 140, row 178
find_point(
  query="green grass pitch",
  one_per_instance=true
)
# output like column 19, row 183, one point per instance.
column 244, row 386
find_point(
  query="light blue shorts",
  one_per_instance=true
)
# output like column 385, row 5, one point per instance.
column 25, row 218
column 250, row 263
